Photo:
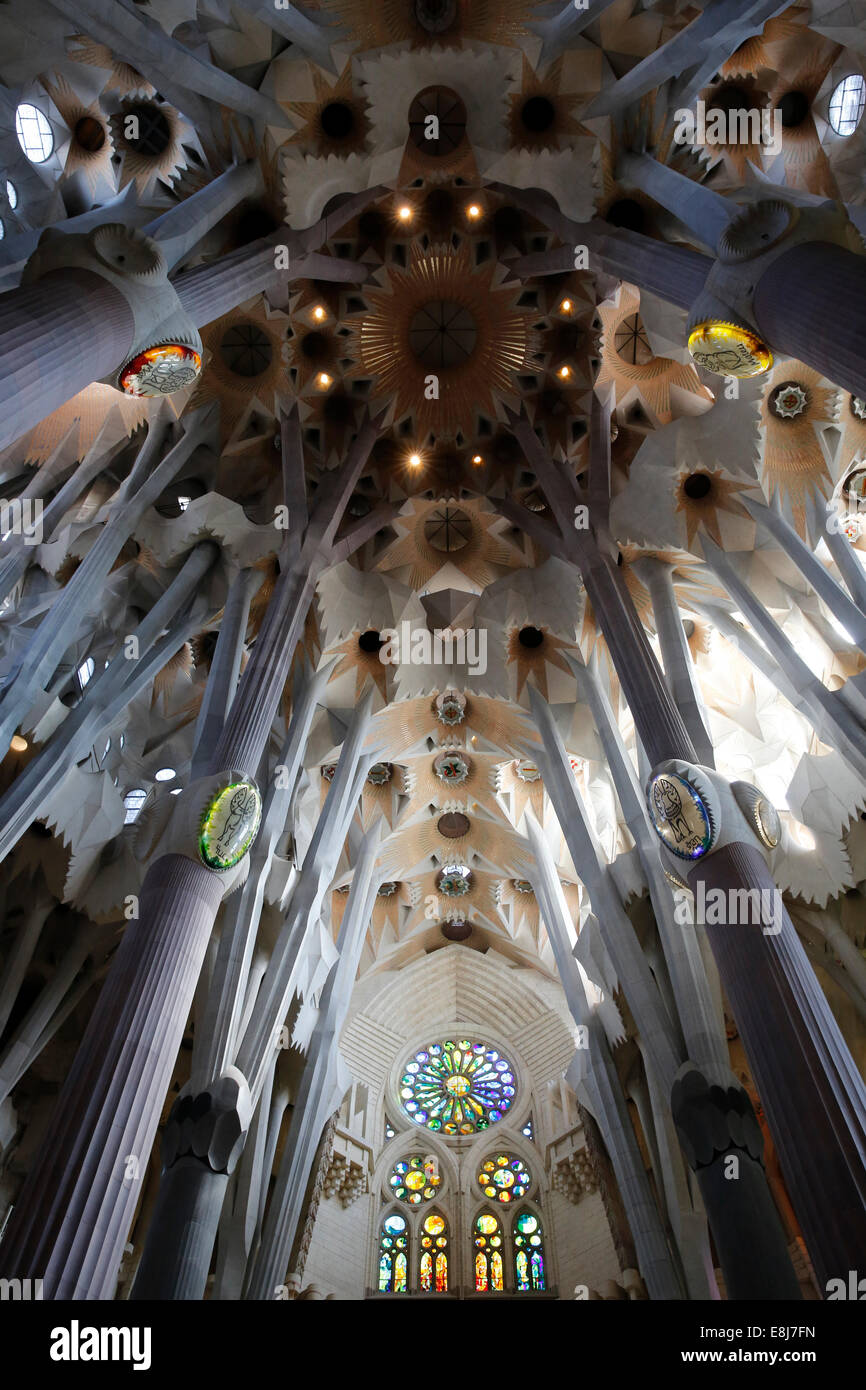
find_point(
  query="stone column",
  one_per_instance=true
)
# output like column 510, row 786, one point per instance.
column 76, row 1206
column 323, row 1082
column 201, row 1144
column 77, row 1203
column 676, row 657
column 56, row 337
column 814, row 1097
column 810, row 303
column 704, row 212
column 811, row 1090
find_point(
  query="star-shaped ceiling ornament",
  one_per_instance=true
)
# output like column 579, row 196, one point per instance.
column 431, row 535
column 531, row 650
column 444, row 339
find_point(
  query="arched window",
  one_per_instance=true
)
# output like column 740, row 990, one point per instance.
column 528, row 1252
column 489, row 1272
column 393, row 1254
column 504, row 1178
column 433, row 1265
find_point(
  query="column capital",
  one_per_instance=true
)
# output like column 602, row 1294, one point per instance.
column 165, row 353
column 210, row 1126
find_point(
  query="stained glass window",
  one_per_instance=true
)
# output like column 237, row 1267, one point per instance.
column 457, row 1087
column 504, row 1178
column 433, row 1266
column 528, row 1252
column 489, row 1277
column 415, row 1180
column 393, row 1254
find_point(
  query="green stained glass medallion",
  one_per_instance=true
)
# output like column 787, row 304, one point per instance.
column 229, row 825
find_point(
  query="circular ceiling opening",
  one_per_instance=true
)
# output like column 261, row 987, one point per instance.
column 337, row 120
column 697, row 485
column 453, row 825
column 372, row 226
column 439, row 208
column 90, row 134
column 152, row 134
column 730, row 97
column 537, row 114
column 314, row 346
column 254, row 222
column 631, row 342
column 448, row 529
column 370, row 642
column 338, row 409
column 435, row 16
column 794, row 107
column 531, row 637
column 508, row 224
column 456, row 931
column 447, row 132
column 442, row 334
column 627, row 213
column 246, row 350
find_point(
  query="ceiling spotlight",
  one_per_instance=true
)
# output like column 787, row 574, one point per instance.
column 18, row 744
column 564, row 372
column 473, row 210
column 404, row 213
column 318, row 313
column 323, row 379
column 565, row 306
column 414, row 460
column 477, row 459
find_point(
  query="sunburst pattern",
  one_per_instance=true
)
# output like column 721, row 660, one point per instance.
column 503, row 340
column 247, row 356
column 90, row 147
column 392, row 22
column 798, row 405
column 343, row 130
column 534, row 660
column 138, row 164
column 419, row 553
column 541, row 114
column 628, row 364
column 706, row 510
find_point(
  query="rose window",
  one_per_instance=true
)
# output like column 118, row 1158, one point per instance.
column 457, row 1087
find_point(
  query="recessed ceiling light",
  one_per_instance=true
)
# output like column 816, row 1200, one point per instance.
column 318, row 313
column 414, row 460
column 473, row 210
column 565, row 306
column 323, row 379
column 18, row 744
column 404, row 213
column 564, row 372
